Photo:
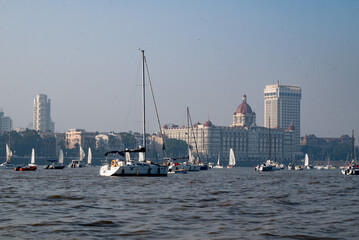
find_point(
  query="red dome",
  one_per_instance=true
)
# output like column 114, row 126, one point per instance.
column 208, row 124
column 244, row 108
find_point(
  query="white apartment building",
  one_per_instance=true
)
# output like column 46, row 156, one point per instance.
column 41, row 115
column 282, row 107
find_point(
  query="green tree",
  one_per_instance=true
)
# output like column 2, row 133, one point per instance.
column 176, row 148
column 30, row 139
column 341, row 151
column 128, row 140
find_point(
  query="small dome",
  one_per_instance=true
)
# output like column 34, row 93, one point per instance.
column 291, row 127
column 244, row 108
column 208, row 124
column 196, row 124
column 165, row 126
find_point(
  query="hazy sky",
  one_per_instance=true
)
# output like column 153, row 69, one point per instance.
column 204, row 54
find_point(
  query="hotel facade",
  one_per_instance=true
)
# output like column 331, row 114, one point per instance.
column 249, row 142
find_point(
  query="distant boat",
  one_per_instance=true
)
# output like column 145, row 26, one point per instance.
column 89, row 159
column 7, row 164
column 192, row 164
column 175, row 167
column 31, row 167
column 32, row 163
column 306, row 162
column 56, row 165
column 232, row 159
column 328, row 166
column 353, row 167
column 218, row 163
column 78, row 162
column 269, row 165
column 319, row 167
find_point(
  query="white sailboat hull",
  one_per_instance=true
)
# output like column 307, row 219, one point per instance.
column 133, row 169
column 7, row 165
column 217, row 166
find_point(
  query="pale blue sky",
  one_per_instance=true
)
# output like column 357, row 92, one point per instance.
column 203, row 54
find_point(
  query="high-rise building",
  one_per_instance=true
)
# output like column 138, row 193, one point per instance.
column 5, row 123
column 282, row 108
column 41, row 118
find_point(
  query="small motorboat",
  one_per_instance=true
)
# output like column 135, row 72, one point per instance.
column 53, row 164
column 26, row 168
column 180, row 171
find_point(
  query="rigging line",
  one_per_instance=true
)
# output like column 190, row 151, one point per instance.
column 132, row 98
column 154, row 102
column 194, row 137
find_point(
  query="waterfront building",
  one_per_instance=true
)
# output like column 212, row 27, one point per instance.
column 42, row 114
column 249, row 142
column 5, row 123
column 282, row 107
column 80, row 137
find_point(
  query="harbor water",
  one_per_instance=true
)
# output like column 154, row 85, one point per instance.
column 236, row 203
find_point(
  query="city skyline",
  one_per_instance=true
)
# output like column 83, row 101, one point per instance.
column 84, row 56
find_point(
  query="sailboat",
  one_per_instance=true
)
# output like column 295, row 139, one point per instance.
column 328, row 166
column 89, row 159
column 31, row 166
column 269, row 165
column 353, row 167
column 192, row 164
column 306, row 162
column 7, row 164
column 218, row 163
column 232, row 159
column 56, row 165
column 78, row 162
column 129, row 167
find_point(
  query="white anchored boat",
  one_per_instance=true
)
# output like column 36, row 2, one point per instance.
column 89, row 159
column 353, row 167
column 218, row 163
column 56, row 165
column 192, row 164
column 77, row 163
column 7, row 164
column 232, row 159
column 306, row 162
column 132, row 167
column 269, row 165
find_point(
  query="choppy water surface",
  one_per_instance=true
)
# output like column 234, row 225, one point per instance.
column 215, row 204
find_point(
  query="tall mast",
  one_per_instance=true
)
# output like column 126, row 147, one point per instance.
column 269, row 140
column 187, row 125
column 194, row 137
column 144, row 101
column 8, row 154
column 353, row 147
